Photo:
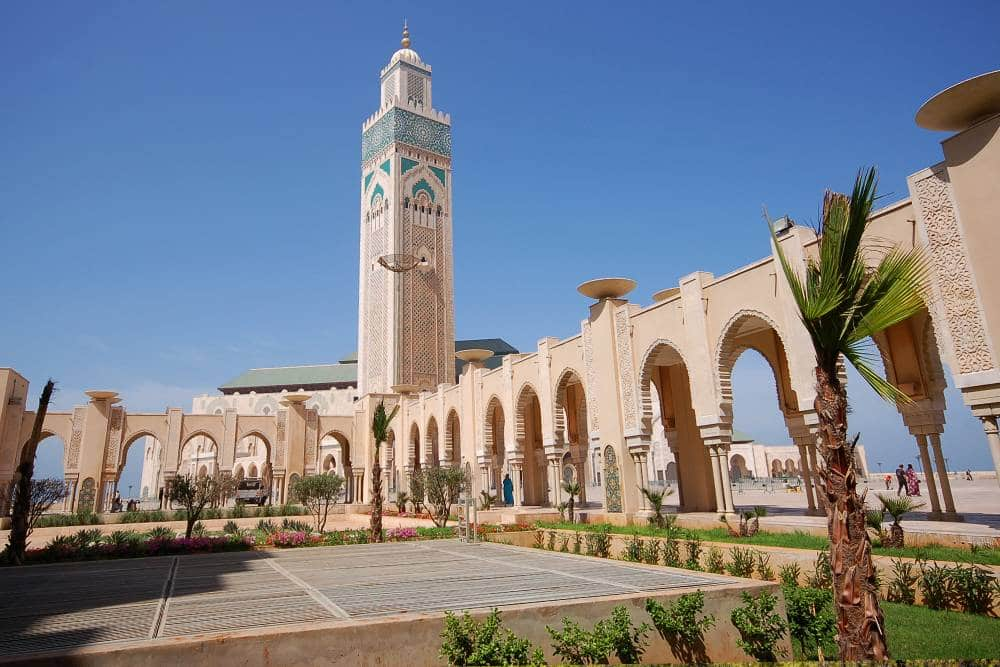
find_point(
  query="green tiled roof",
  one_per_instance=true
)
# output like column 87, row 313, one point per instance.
column 294, row 377
column 344, row 373
column 740, row 436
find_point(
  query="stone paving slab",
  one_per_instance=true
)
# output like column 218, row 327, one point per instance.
column 59, row 607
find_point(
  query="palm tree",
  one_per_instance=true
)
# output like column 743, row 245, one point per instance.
column 897, row 507
column 572, row 489
column 20, row 519
column 380, row 431
column 842, row 302
column 655, row 499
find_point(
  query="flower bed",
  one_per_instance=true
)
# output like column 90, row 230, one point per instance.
column 75, row 550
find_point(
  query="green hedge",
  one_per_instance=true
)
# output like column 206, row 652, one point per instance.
column 157, row 516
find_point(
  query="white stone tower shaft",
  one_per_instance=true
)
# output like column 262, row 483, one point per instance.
column 406, row 322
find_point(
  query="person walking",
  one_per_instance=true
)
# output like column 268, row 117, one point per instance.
column 901, row 480
column 888, row 481
column 508, row 490
column 912, row 483
column 968, row 475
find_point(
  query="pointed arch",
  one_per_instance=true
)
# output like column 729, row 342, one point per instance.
column 494, row 425
column 753, row 330
column 525, row 395
column 431, row 452
column 452, row 438
column 413, row 447
column 569, row 392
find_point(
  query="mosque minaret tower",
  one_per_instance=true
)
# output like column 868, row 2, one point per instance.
column 406, row 320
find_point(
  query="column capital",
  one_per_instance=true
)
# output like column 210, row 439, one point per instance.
column 989, row 424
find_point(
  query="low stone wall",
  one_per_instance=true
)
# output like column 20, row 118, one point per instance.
column 411, row 639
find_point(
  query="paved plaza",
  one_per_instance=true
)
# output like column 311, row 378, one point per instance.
column 61, row 607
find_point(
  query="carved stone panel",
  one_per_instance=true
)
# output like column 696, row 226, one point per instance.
column 73, row 446
column 953, row 276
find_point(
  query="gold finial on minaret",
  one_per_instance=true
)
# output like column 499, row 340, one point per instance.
column 406, row 35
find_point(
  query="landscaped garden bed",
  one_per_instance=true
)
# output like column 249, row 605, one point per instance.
column 159, row 516
column 90, row 544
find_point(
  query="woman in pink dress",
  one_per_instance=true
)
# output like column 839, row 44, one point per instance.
column 912, row 483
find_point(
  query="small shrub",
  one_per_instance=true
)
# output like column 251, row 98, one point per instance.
column 764, row 569
column 599, row 542
column 577, row 541
column 87, row 537
column 671, row 552
column 199, row 530
column 903, row 586
column 539, row 542
column 936, row 585
column 288, row 538
column 715, row 562
column 633, row 549
column 266, row 526
column 651, row 552
column 789, row 574
column 811, row 620
column 550, row 544
column 230, row 528
column 239, row 511
column 401, row 534
column 564, row 544
column 615, row 635
column 680, row 627
column 742, row 563
column 357, row 536
column 693, row 548
column 822, row 575
column 61, row 520
column 973, row 589
column 464, row 641
column 121, row 538
column 161, row 533
column 295, row 525
column 180, row 515
column 760, row 628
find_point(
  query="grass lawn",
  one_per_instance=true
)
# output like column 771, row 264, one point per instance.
column 797, row 540
column 918, row 633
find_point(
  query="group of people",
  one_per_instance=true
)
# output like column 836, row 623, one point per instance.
column 116, row 504
column 907, row 480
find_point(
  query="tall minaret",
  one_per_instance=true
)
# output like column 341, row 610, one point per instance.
column 406, row 307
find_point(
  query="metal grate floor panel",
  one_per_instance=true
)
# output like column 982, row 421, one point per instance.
column 57, row 607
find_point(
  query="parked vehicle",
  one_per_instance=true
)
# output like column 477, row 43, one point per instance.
column 251, row 491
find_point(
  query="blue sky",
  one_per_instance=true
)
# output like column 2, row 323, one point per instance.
column 179, row 179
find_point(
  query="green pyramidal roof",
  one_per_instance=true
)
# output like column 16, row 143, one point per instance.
column 321, row 376
column 342, row 374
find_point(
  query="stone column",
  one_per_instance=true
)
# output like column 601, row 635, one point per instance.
column 925, row 460
column 637, row 466
column 680, row 489
column 720, row 499
column 949, row 503
column 727, row 485
column 555, row 480
column 518, row 479
column 806, row 479
column 993, row 440
column 359, row 489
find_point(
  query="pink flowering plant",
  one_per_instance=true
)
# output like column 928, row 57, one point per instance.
column 401, row 534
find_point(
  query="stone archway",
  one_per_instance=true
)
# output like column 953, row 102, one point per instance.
column 572, row 431
column 494, row 444
column 531, row 467
column 738, row 468
column 665, row 397
column 431, row 449
column 452, row 439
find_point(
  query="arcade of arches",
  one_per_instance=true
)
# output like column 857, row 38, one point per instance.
column 641, row 387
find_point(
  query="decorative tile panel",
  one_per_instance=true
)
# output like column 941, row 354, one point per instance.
column 422, row 184
column 111, row 453
column 407, row 164
column 386, row 167
column 406, row 127
column 440, row 174
column 612, row 481
column 368, row 179
column 75, row 439
column 375, row 193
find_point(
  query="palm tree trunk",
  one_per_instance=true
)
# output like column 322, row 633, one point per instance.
column 860, row 625
column 18, row 538
column 376, row 517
